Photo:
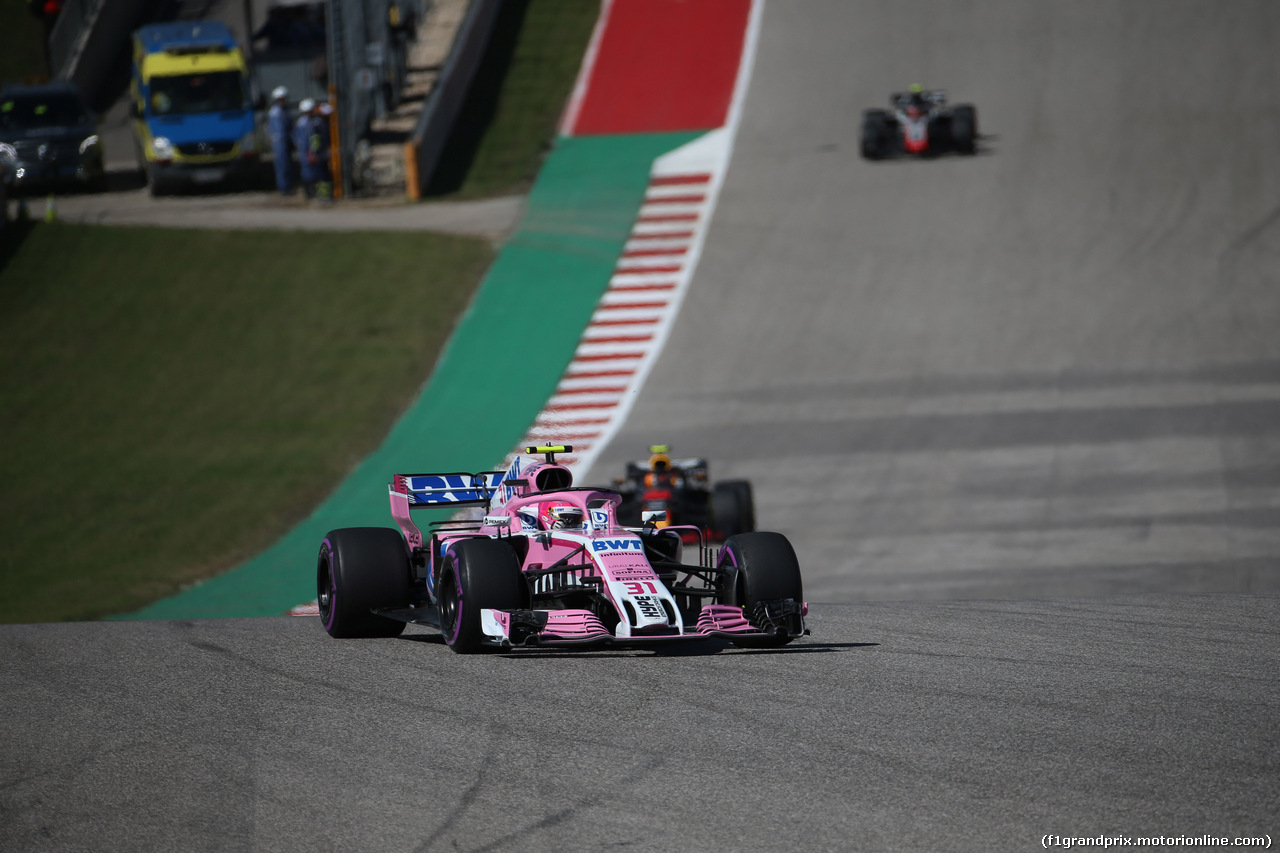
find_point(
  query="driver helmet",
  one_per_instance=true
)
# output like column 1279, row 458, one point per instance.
column 559, row 516
column 917, row 102
column 659, row 462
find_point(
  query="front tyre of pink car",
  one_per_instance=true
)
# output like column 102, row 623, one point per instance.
column 359, row 569
column 760, row 567
column 477, row 574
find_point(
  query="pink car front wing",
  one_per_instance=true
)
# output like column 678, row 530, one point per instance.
column 580, row 627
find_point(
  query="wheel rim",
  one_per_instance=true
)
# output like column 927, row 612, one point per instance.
column 451, row 608
column 326, row 591
column 728, row 556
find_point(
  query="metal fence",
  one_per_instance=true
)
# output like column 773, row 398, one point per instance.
column 368, row 60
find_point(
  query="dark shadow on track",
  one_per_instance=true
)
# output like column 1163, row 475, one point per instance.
column 807, row 648
column 692, row 648
column 433, row 639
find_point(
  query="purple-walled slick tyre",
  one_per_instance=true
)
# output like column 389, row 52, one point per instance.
column 360, row 568
column 478, row 573
column 760, row 567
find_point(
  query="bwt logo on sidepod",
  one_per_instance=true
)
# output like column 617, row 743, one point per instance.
column 605, row 546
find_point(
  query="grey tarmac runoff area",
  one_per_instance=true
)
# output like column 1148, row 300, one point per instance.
column 1020, row 415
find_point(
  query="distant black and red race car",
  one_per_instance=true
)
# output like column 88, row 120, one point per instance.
column 919, row 124
column 682, row 489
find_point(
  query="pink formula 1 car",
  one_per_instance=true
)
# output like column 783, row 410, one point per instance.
column 547, row 565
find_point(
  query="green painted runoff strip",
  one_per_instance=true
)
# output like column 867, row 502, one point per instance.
column 496, row 373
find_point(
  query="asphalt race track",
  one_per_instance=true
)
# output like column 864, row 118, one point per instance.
column 1020, row 415
column 951, row 726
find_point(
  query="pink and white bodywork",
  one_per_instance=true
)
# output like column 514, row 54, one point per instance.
column 615, row 568
column 547, row 563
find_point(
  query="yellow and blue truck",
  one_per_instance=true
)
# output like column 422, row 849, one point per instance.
column 193, row 112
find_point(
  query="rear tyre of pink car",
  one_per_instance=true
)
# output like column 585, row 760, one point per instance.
column 360, row 568
column 477, row 574
column 760, row 567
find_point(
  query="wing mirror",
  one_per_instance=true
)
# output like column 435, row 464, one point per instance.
column 650, row 516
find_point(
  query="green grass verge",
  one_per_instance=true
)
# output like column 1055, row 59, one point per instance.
column 174, row 401
column 511, row 115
